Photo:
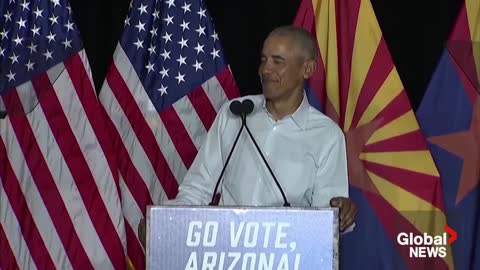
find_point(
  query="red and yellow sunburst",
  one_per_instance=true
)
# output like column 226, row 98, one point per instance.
column 359, row 87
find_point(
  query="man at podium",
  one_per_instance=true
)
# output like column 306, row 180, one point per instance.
column 304, row 149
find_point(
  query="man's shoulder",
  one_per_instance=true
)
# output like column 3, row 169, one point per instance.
column 320, row 121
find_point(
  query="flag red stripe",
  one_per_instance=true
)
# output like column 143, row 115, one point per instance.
column 134, row 249
column 461, row 28
column 461, row 49
column 460, row 44
column 7, row 259
column 204, row 108
column 398, row 107
column 143, row 131
column 179, row 135
column 226, row 80
column 80, row 171
column 347, row 17
column 29, row 229
column 394, row 224
column 306, row 19
column 421, row 185
column 379, row 70
column 467, row 84
column 317, row 82
column 86, row 93
column 129, row 173
column 47, row 187
column 412, row 141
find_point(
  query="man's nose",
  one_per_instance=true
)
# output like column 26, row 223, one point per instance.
column 265, row 69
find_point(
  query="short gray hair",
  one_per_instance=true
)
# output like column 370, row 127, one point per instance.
column 301, row 36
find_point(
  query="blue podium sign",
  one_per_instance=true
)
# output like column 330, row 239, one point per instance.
column 221, row 238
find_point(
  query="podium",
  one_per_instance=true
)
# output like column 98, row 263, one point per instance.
column 244, row 238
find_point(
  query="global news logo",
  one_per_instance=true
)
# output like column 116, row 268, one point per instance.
column 427, row 246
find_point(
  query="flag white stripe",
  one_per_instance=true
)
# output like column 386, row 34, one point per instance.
column 93, row 154
column 152, row 117
column 132, row 212
column 86, row 65
column 129, row 139
column 70, row 195
column 215, row 93
column 10, row 225
column 34, row 201
column 2, row 105
column 191, row 121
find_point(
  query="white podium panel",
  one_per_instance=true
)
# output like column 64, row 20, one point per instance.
column 211, row 238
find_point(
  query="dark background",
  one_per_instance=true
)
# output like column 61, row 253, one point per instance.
column 415, row 32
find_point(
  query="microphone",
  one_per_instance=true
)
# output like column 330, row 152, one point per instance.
column 237, row 109
column 247, row 106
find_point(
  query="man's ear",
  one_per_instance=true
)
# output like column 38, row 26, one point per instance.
column 310, row 67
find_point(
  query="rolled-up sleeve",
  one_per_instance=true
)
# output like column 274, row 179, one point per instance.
column 331, row 178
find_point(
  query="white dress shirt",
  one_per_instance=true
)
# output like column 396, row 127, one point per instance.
column 306, row 151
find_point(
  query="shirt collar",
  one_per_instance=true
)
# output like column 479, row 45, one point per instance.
column 299, row 117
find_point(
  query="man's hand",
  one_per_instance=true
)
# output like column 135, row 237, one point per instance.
column 142, row 235
column 348, row 211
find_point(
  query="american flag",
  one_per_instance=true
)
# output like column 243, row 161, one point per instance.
column 168, row 79
column 59, row 198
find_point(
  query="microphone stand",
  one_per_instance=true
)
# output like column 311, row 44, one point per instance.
column 286, row 203
column 247, row 108
column 212, row 202
column 243, row 110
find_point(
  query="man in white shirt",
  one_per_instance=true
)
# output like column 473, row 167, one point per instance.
column 305, row 149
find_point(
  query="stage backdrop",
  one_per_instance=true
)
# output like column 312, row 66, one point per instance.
column 415, row 32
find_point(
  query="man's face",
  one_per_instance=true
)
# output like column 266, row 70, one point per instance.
column 282, row 67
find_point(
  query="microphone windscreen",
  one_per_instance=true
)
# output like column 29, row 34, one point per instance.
column 247, row 105
column 236, row 107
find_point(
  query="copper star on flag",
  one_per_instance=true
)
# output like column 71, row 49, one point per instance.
column 466, row 145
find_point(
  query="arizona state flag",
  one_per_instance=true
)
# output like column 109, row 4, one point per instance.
column 393, row 178
column 450, row 117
